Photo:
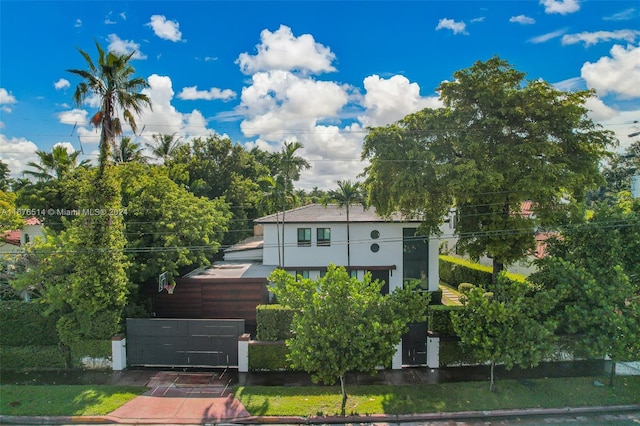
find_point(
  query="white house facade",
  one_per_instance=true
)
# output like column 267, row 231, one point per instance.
column 316, row 235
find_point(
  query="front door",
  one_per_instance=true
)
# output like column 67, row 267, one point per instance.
column 382, row 276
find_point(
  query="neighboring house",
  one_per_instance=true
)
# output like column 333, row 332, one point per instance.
column 14, row 241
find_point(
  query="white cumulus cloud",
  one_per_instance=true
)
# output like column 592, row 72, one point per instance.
column 192, row 93
column 450, row 24
column 281, row 50
column 121, row 47
column 522, row 19
column 562, row 7
column 388, row 100
column 618, row 73
column 595, row 37
column 165, row 29
column 62, row 84
column 6, row 98
column 16, row 153
column 75, row 116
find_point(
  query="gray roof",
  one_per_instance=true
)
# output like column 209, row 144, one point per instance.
column 332, row 213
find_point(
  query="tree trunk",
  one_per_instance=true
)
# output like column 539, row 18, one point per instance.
column 497, row 268
column 283, row 215
column 343, row 388
column 612, row 373
column 348, row 244
column 492, row 386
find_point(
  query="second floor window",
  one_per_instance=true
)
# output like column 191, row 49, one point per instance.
column 324, row 236
column 304, row 237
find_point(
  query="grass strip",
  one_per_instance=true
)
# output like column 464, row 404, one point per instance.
column 447, row 397
column 64, row 400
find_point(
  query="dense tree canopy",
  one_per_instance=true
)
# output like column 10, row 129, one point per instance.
column 594, row 271
column 499, row 140
column 168, row 227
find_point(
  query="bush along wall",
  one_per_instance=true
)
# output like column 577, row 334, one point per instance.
column 439, row 319
column 269, row 352
column 91, row 354
column 268, row 356
column 273, row 322
column 25, row 324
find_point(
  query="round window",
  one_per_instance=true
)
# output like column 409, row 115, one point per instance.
column 375, row 247
column 375, row 234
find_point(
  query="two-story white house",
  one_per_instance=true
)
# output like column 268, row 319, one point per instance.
column 313, row 236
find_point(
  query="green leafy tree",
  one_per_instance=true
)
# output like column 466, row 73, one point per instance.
column 111, row 80
column 216, row 167
column 168, row 228
column 347, row 194
column 498, row 141
column 9, row 218
column 80, row 272
column 4, row 176
column 617, row 173
column 344, row 324
column 594, row 270
column 506, row 326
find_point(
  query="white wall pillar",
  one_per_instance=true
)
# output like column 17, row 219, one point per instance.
column 243, row 353
column 396, row 361
column 118, row 352
column 433, row 350
column 434, row 273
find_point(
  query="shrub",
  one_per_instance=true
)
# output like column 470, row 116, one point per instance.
column 436, row 297
column 439, row 319
column 269, row 356
column 32, row 358
column 452, row 353
column 24, row 324
column 89, row 348
column 274, row 322
column 465, row 288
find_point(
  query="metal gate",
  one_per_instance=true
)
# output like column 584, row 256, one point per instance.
column 414, row 345
column 183, row 342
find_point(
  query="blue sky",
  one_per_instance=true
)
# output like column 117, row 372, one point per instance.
column 318, row 72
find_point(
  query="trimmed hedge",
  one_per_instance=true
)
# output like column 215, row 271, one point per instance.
column 274, row 322
column 439, row 319
column 454, row 271
column 32, row 358
column 90, row 348
column 24, row 324
column 268, row 356
column 452, row 353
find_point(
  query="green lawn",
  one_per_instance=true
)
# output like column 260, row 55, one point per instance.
column 543, row 393
column 64, row 400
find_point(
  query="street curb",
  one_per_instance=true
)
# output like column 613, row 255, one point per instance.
column 375, row 418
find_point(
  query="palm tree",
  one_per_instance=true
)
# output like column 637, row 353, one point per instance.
column 55, row 164
column 347, row 194
column 290, row 166
column 128, row 151
column 111, row 79
column 164, row 146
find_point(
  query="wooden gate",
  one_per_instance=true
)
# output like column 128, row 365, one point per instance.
column 183, row 342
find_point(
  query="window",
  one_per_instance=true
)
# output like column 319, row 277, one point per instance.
column 375, row 247
column 304, row 237
column 302, row 274
column 324, row 236
column 375, row 234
